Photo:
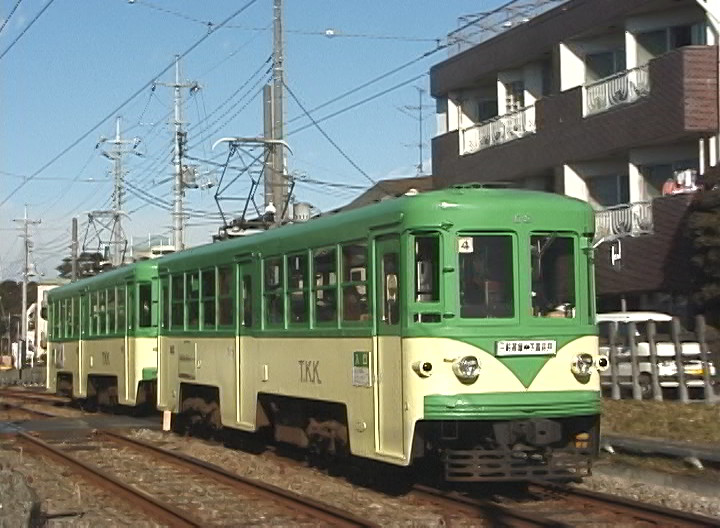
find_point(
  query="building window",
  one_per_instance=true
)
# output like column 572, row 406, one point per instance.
column 601, row 65
column 655, row 43
column 609, row 190
column 656, row 175
column 514, row 96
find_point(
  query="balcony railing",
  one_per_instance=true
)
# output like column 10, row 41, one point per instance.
column 623, row 220
column 622, row 88
column 498, row 130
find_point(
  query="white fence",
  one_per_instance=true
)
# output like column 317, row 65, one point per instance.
column 498, row 130
column 622, row 88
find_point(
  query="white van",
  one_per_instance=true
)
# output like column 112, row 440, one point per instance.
column 667, row 367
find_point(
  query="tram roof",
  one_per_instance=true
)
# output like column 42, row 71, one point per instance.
column 141, row 270
column 459, row 208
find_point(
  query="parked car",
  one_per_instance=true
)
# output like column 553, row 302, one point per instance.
column 664, row 346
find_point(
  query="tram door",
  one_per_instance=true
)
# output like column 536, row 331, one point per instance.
column 244, row 281
column 388, row 352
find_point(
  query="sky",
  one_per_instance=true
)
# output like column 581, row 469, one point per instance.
column 83, row 63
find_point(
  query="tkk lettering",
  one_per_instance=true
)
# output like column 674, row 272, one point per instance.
column 309, row 371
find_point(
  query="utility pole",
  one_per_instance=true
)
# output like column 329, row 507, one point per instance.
column 26, row 223
column 115, row 154
column 180, row 140
column 419, row 108
column 74, row 250
column 279, row 184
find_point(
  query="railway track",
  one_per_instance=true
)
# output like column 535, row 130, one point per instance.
column 13, row 412
column 179, row 490
column 561, row 506
column 40, row 397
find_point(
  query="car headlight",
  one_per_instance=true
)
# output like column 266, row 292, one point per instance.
column 467, row 369
column 582, row 364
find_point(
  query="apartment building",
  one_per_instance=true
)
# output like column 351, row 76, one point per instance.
column 602, row 100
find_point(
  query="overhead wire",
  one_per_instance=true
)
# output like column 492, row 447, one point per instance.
column 237, row 12
column 25, row 29
column 12, row 12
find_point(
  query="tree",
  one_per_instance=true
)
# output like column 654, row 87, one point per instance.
column 704, row 233
column 89, row 264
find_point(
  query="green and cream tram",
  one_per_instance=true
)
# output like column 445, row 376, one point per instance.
column 453, row 328
column 103, row 337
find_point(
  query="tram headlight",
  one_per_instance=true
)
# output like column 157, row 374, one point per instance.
column 602, row 362
column 582, row 364
column 467, row 369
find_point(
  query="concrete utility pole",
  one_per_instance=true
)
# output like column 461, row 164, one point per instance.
column 278, row 185
column 26, row 223
column 116, row 156
column 74, row 250
column 180, row 138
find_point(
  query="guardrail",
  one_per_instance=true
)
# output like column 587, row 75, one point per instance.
column 622, row 88
column 498, row 130
column 636, row 367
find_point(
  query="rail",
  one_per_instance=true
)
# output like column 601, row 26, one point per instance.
column 498, row 130
column 622, row 88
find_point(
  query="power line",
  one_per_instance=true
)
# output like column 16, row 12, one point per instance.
column 12, row 12
column 117, row 110
column 26, row 28
column 341, row 151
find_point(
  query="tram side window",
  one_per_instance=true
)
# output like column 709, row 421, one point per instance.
column 144, row 305
column 65, row 318
column 111, row 311
column 225, row 296
column 274, row 280
column 165, row 295
column 427, row 268
column 297, row 288
column 102, row 312
column 130, row 307
column 486, row 276
column 208, row 298
column 192, row 299
column 553, row 275
column 178, row 302
column 325, row 285
column 120, row 304
column 247, row 301
column 76, row 317
column 354, row 282
column 391, row 304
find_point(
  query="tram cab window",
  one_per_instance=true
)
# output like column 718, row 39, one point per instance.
column 325, row 285
column 102, row 321
column 427, row 273
column 111, row 311
column 120, row 301
column 486, row 276
column 192, row 299
column 247, row 301
column 553, row 275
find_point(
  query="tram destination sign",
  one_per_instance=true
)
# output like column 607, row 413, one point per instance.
column 525, row 348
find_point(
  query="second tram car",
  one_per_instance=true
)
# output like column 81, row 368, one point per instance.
column 103, row 337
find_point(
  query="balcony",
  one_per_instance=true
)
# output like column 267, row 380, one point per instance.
column 632, row 219
column 498, row 130
column 622, row 88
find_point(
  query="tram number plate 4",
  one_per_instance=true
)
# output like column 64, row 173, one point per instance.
column 526, row 348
